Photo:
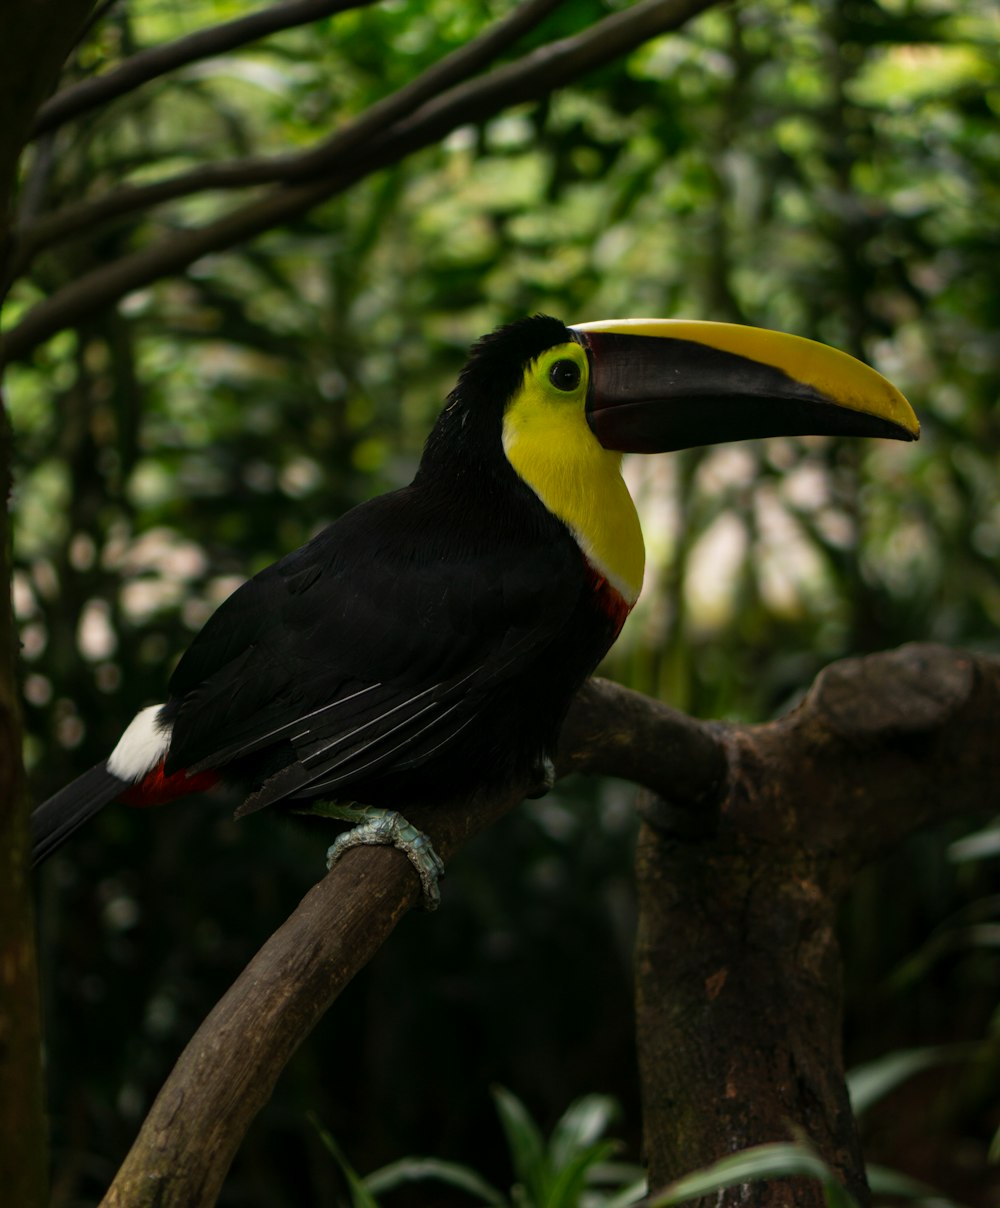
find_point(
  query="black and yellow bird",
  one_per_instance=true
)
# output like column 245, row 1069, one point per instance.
column 431, row 639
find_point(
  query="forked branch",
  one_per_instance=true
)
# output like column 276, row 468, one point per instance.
column 737, row 969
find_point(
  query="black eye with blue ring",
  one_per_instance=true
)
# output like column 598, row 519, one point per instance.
column 565, row 375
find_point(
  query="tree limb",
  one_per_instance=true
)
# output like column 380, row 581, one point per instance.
column 35, row 236
column 531, row 78
column 147, row 65
column 732, row 924
column 229, row 1068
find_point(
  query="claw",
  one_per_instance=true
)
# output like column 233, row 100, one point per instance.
column 388, row 828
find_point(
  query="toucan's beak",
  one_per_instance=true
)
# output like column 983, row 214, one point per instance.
column 663, row 384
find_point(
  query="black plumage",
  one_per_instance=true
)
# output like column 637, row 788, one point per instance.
column 428, row 640
column 432, row 639
column 456, row 606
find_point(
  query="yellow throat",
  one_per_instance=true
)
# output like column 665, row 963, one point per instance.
column 548, row 442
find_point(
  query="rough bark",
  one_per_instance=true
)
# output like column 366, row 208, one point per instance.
column 228, row 1070
column 36, row 38
column 738, row 972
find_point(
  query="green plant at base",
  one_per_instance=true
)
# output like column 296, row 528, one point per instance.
column 571, row 1170
column 780, row 1160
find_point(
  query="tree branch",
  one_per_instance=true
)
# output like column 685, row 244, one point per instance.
column 74, row 219
column 147, row 65
column 531, row 78
column 190, row 1136
column 727, row 922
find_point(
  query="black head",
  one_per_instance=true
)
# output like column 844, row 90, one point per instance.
column 469, row 430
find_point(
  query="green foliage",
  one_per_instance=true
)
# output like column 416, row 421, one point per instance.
column 828, row 168
column 793, row 1159
column 874, row 1080
column 781, row 1160
column 563, row 1173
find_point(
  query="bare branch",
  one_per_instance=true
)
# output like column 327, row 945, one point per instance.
column 770, row 817
column 459, row 65
column 450, row 71
column 150, row 64
column 531, row 78
column 614, row 731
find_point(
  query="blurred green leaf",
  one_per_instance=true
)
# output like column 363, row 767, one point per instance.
column 883, row 1181
column 869, row 1083
column 981, row 845
column 580, row 1126
column 525, row 1145
column 361, row 1196
column 416, row 1170
column 784, row 1159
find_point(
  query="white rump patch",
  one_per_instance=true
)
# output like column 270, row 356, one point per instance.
column 141, row 747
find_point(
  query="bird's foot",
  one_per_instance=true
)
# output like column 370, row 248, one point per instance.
column 545, row 771
column 376, row 826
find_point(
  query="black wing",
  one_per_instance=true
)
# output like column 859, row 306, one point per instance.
column 371, row 647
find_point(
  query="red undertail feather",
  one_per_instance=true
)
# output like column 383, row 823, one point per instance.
column 156, row 788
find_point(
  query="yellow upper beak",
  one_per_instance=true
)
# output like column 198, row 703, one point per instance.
column 662, row 384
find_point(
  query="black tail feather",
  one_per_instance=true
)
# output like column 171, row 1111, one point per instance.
column 56, row 819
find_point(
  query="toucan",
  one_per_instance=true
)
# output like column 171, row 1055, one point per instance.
column 431, row 639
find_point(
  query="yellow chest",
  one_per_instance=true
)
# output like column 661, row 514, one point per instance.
column 581, row 483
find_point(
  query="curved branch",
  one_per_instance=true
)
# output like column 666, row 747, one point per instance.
column 73, row 219
column 190, row 1136
column 614, row 731
column 231, row 1065
column 531, row 78
column 150, row 64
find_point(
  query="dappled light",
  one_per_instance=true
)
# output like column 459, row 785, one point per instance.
column 827, row 169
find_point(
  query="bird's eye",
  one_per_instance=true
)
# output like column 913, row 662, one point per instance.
column 565, row 375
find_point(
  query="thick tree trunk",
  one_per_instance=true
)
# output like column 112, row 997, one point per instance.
column 36, row 38
column 22, row 1130
column 739, row 1011
column 738, row 973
